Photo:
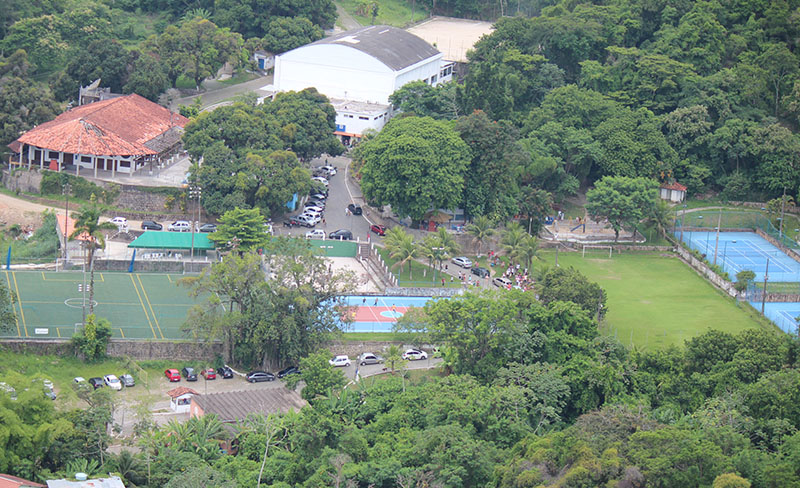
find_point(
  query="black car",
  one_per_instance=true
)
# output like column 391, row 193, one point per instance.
column 256, row 376
column 189, row 374
column 97, row 382
column 341, row 234
column 225, row 372
column 354, row 209
column 288, row 371
column 151, row 225
column 208, row 228
column 482, row 272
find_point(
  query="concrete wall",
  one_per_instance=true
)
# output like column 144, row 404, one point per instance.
column 23, row 180
column 704, row 270
column 120, row 348
column 142, row 201
column 424, row 292
column 141, row 266
column 792, row 253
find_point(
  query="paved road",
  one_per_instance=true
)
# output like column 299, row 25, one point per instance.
column 216, row 96
column 346, row 21
column 373, row 369
column 341, row 193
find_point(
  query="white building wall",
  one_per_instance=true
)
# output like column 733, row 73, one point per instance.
column 335, row 71
column 354, row 123
column 423, row 70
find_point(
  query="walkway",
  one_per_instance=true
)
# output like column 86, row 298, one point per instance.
column 345, row 20
column 217, row 95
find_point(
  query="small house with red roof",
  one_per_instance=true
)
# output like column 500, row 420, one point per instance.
column 122, row 134
column 8, row 481
column 673, row 192
column 180, row 399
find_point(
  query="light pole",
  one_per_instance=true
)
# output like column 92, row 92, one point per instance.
column 65, row 190
column 194, row 193
column 725, row 253
column 716, row 242
column 683, row 214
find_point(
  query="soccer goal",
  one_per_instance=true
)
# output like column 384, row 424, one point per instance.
column 596, row 249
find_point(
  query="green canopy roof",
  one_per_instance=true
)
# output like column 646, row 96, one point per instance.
column 171, row 240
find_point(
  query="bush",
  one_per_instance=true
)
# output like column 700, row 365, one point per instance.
column 81, row 188
column 92, row 341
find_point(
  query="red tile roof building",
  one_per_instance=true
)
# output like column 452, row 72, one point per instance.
column 8, row 481
column 121, row 134
column 673, row 192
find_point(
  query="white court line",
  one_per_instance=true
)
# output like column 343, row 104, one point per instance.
column 774, row 259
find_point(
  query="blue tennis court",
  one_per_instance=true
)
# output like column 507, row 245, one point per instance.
column 783, row 314
column 379, row 313
column 739, row 251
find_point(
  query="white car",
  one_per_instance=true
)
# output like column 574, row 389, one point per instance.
column 320, row 179
column 315, row 208
column 112, row 382
column 331, row 170
column 315, row 234
column 339, row 361
column 120, row 222
column 318, row 196
column 180, row 226
column 462, row 261
column 311, row 213
column 79, row 379
column 415, row 354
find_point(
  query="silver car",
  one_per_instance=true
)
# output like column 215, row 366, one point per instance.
column 369, row 358
column 462, row 261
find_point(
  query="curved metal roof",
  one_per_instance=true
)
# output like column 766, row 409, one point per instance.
column 396, row 48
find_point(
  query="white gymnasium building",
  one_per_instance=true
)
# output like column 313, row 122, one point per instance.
column 358, row 70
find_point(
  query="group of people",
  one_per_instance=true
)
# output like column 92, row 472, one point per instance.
column 519, row 276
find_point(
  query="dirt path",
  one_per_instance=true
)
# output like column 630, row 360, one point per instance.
column 346, row 21
column 18, row 211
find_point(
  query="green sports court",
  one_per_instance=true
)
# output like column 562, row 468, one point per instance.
column 138, row 305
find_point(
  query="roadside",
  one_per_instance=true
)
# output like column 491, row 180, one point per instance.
column 345, row 20
column 217, row 95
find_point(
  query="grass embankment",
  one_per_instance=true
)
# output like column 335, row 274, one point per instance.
column 416, row 274
column 390, row 12
column 656, row 301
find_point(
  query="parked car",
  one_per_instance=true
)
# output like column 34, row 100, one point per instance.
column 369, row 358
column 315, row 208
column 482, row 272
column 79, row 379
column 502, row 282
column 331, row 170
column 462, row 261
column 378, row 229
column 209, row 374
column 292, row 222
column 96, row 382
column 307, row 220
column 120, row 222
column 341, row 234
column 355, row 209
column 315, row 234
column 151, row 225
column 226, row 372
column 127, row 380
column 172, row 374
column 112, row 382
column 208, row 228
column 339, row 361
column 320, row 179
column 258, row 376
column 312, row 213
column 287, row 371
column 189, row 373
column 180, row 226
column 320, row 197
column 415, row 354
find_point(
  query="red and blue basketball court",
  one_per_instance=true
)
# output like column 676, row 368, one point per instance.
column 379, row 313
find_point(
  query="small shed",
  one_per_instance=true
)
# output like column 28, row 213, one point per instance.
column 180, row 399
column 673, row 192
column 265, row 60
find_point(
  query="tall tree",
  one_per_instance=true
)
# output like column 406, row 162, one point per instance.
column 415, row 165
column 481, row 229
column 622, row 201
column 241, row 228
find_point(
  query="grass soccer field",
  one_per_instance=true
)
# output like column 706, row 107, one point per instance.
column 139, row 306
column 655, row 301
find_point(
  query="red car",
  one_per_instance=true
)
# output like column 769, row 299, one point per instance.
column 378, row 229
column 209, row 374
column 172, row 374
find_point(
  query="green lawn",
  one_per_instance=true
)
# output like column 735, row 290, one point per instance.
column 416, row 274
column 390, row 12
column 656, row 301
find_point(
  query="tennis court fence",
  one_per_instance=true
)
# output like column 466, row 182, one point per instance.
column 732, row 220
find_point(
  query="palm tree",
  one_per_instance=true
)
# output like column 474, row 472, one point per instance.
column 393, row 237
column 481, row 229
column 660, row 216
column 529, row 250
column 403, row 252
column 447, row 245
column 129, row 467
column 89, row 227
column 512, row 241
column 428, row 250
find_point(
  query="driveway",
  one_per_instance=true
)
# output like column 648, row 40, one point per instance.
column 373, row 369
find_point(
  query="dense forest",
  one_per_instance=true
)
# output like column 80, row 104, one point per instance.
column 529, row 394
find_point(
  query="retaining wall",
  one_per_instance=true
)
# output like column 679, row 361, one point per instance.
column 424, row 292
column 141, row 350
column 25, row 181
column 706, row 271
column 792, row 253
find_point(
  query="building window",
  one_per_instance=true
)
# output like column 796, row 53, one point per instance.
column 363, row 118
column 433, row 79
